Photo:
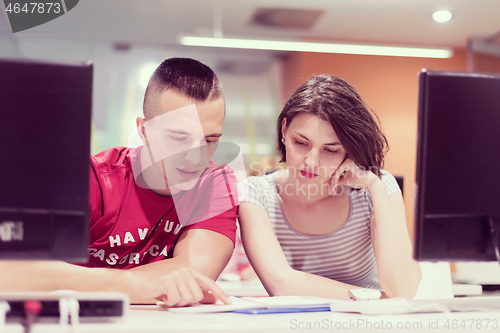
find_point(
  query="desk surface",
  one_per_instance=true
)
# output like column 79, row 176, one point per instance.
column 150, row 318
column 153, row 319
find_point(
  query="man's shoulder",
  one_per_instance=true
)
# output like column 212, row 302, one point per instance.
column 218, row 169
column 217, row 173
column 111, row 178
column 112, row 160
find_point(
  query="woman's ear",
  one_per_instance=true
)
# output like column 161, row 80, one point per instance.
column 283, row 128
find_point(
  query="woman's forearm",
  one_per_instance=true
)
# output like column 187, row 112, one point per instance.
column 297, row 283
column 399, row 275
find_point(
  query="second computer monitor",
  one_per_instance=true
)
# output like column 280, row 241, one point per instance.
column 44, row 169
column 458, row 166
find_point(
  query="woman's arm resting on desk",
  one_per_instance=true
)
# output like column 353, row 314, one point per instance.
column 267, row 258
column 398, row 274
column 173, row 281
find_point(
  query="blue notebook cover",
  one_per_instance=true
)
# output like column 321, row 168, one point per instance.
column 266, row 311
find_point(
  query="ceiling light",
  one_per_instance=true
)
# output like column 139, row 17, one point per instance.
column 442, row 16
column 276, row 45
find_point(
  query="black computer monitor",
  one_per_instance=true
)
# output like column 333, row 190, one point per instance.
column 458, row 167
column 44, row 168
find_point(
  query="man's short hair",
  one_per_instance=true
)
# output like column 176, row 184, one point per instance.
column 186, row 76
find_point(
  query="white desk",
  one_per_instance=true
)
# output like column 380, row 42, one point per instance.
column 149, row 318
column 255, row 288
column 152, row 319
column 461, row 289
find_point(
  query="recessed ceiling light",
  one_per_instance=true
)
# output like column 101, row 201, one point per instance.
column 442, row 16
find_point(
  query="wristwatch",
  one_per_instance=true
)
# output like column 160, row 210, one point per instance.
column 364, row 294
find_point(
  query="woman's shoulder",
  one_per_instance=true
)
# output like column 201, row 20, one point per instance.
column 261, row 187
column 389, row 181
column 391, row 185
column 261, row 182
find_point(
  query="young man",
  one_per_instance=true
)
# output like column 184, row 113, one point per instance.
column 162, row 200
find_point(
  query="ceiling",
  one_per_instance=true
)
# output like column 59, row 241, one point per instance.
column 160, row 22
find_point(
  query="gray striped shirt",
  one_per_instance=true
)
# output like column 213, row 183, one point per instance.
column 344, row 255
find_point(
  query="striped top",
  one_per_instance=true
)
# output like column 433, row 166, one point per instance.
column 345, row 254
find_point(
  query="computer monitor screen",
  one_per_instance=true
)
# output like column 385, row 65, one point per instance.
column 458, row 165
column 44, row 172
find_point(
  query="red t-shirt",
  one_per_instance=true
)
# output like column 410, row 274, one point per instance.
column 130, row 225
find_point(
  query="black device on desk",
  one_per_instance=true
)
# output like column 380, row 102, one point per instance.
column 44, row 170
column 458, row 164
column 90, row 304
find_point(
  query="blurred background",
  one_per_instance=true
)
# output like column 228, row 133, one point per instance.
column 127, row 39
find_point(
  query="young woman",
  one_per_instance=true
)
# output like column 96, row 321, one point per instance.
column 333, row 220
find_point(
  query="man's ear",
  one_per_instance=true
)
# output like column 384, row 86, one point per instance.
column 141, row 130
column 283, row 128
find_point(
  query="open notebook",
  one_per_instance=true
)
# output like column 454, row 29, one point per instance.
column 378, row 307
column 251, row 303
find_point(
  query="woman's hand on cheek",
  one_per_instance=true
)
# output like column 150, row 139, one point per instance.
column 351, row 175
